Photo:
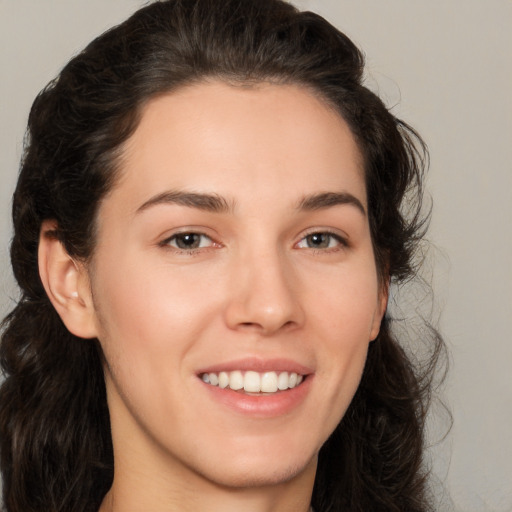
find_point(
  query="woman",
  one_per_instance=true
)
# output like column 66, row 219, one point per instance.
column 209, row 214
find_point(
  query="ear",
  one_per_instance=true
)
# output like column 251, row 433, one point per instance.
column 380, row 310
column 66, row 283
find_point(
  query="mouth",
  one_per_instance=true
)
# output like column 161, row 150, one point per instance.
column 253, row 382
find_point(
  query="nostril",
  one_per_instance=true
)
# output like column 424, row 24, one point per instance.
column 250, row 325
column 266, row 328
column 263, row 310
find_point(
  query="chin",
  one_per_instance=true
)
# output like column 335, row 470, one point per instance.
column 252, row 475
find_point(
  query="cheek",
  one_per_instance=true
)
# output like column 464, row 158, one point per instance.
column 150, row 318
column 344, row 319
column 138, row 298
column 348, row 302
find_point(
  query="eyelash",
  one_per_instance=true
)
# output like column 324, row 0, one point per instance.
column 173, row 241
column 341, row 242
column 168, row 242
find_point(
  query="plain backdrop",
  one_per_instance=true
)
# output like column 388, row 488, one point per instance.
column 444, row 66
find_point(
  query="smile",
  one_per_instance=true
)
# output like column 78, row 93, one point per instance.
column 254, row 382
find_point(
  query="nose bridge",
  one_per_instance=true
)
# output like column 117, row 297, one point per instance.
column 263, row 291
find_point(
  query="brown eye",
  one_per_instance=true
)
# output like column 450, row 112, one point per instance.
column 189, row 241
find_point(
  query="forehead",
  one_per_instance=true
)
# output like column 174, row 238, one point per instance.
column 235, row 138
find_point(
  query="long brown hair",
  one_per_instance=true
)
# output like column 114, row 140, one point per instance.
column 55, row 442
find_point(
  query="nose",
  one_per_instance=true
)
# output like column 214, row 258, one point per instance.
column 264, row 295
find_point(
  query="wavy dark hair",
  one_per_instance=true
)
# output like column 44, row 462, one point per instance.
column 55, row 441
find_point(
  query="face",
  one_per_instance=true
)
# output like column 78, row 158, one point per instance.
column 234, row 285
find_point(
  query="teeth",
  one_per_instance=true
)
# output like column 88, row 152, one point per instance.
column 236, row 380
column 254, row 382
column 223, row 379
column 282, row 381
column 269, row 382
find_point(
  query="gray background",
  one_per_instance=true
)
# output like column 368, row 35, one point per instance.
column 445, row 67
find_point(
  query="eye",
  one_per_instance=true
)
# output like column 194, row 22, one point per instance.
column 321, row 240
column 188, row 241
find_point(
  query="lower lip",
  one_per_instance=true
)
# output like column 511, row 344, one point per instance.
column 263, row 405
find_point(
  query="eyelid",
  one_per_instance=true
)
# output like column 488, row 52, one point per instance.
column 340, row 237
column 166, row 241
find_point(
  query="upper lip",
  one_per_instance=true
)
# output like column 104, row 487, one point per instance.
column 258, row 365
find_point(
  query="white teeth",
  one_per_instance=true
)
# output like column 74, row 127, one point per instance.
column 254, row 382
column 269, row 382
column 236, row 380
column 223, row 380
column 283, row 381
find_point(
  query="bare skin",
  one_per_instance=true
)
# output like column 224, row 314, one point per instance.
column 236, row 239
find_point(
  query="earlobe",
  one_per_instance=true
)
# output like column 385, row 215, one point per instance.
column 66, row 283
column 380, row 311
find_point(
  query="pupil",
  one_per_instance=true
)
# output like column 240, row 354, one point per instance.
column 187, row 241
column 318, row 240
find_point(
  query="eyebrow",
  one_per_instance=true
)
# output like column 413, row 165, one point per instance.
column 218, row 204
column 206, row 202
column 329, row 199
